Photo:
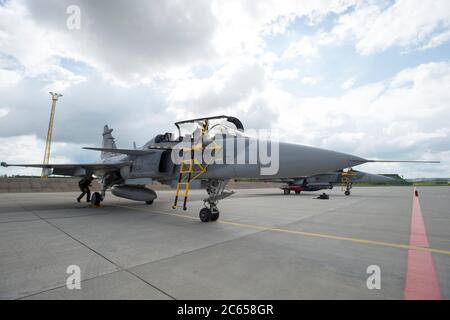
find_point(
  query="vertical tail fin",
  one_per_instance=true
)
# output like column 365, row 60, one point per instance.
column 108, row 142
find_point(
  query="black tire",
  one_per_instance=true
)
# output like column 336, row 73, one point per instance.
column 297, row 192
column 215, row 215
column 205, row 215
column 149, row 202
column 287, row 191
column 347, row 193
column 96, row 199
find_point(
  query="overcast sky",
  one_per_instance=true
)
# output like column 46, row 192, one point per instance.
column 371, row 78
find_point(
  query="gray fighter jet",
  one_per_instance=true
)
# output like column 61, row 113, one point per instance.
column 226, row 152
column 328, row 180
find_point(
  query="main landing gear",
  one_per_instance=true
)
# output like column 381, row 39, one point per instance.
column 107, row 181
column 96, row 199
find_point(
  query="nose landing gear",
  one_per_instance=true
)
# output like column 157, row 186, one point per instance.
column 207, row 215
column 216, row 192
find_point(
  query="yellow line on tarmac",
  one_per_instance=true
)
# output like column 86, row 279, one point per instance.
column 307, row 234
column 334, row 237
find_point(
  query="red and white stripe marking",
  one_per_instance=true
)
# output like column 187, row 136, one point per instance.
column 421, row 278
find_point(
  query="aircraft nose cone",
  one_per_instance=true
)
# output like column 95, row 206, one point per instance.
column 300, row 160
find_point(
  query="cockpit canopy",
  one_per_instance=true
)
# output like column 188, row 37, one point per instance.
column 209, row 126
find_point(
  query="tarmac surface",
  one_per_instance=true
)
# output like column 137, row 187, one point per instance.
column 266, row 245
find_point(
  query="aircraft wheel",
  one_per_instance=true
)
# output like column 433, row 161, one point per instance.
column 215, row 215
column 297, row 192
column 205, row 215
column 149, row 202
column 347, row 193
column 96, row 199
column 287, row 191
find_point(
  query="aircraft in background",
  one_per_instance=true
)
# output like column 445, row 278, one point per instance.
column 127, row 172
column 323, row 181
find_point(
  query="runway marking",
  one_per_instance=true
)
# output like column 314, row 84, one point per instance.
column 421, row 278
column 307, row 234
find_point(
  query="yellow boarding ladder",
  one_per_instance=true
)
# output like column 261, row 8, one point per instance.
column 194, row 170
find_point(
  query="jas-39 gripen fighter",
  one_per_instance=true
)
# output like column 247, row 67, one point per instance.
column 207, row 153
column 323, row 181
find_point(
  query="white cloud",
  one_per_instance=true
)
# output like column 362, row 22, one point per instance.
column 437, row 40
column 119, row 39
column 26, row 149
column 348, row 84
column 284, row 74
column 3, row 112
column 309, row 81
column 226, row 88
column 59, row 79
column 305, row 47
column 241, row 23
column 20, row 38
column 132, row 43
column 407, row 23
column 9, row 78
column 375, row 26
column 406, row 117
